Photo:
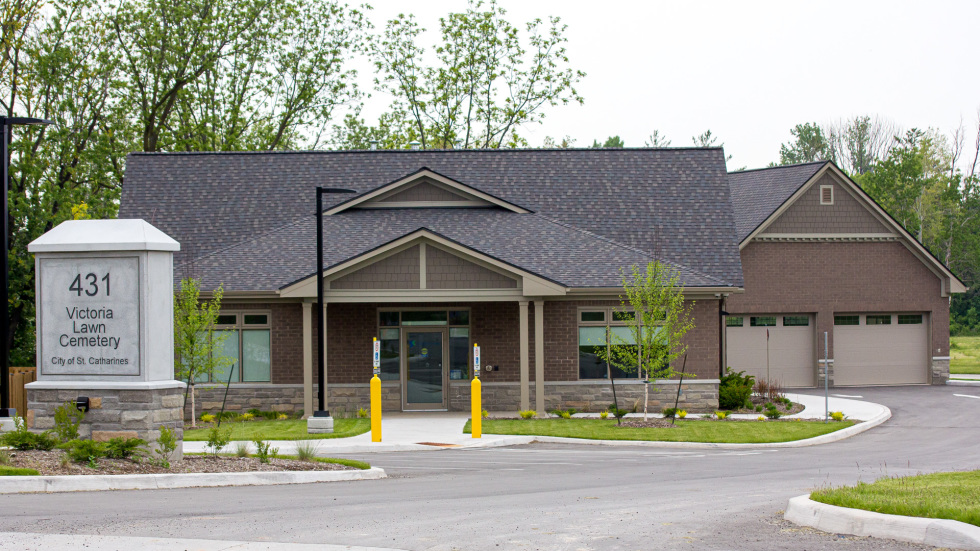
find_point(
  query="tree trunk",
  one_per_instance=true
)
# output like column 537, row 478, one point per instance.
column 646, row 397
column 193, row 413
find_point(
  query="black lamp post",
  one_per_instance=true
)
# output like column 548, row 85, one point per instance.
column 321, row 338
column 7, row 124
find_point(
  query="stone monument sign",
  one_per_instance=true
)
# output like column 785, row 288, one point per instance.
column 105, row 328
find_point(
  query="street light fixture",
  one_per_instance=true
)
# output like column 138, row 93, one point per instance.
column 321, row 410
column 7, row 124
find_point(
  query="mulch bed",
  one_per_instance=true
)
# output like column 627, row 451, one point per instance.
column 657, row 423
column 51, row 463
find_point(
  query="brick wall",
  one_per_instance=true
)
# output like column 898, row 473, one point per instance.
column 494, row 325
column 827, row 277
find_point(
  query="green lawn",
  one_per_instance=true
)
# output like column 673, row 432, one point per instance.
column 940, row 495
column 738, row 432
column 964, row 353
column 291, row 429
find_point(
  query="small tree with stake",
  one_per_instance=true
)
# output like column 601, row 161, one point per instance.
column 197, row 347
column 657, row 316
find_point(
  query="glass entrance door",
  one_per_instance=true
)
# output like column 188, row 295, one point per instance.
column 424, row 375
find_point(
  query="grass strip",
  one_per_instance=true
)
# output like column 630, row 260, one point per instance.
column 721, row 432
column 954, row 496
column 291, row 429
column 964, row 354
column 17, row 471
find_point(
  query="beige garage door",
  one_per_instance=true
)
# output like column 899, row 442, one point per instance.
column 881, row 349
column 790, row 347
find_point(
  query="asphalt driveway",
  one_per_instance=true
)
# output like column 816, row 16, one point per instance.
column 549, row 496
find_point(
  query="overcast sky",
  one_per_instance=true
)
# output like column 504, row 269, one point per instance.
column 749, row 71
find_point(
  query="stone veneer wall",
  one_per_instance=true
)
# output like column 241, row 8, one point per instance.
column 940, row 370
column 241, row 398
column 697, row 396
column 113, row 413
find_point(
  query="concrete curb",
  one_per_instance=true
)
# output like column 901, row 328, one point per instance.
column 816, row 440
column 842, row 520
column 98, row 483
column 962, row 382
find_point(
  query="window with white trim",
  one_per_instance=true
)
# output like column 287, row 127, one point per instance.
column 247, row 344
column 603, row 327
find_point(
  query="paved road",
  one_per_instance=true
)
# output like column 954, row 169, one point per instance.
column 549, row 496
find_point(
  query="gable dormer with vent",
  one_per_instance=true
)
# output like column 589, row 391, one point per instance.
column 426, row 189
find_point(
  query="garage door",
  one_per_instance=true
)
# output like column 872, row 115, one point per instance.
column 881, row 349
column 790, row 347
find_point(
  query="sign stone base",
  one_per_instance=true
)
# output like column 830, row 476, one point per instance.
column 128, row 410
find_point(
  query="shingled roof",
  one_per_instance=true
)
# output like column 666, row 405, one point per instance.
column 756, row 194
column 246, row 219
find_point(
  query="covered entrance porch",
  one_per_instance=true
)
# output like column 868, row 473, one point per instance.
column 428, row 301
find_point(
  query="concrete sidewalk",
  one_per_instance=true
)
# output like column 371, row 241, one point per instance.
column 417, row 431
column 400, row 431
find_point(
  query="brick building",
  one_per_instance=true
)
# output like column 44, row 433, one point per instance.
column 522, row 251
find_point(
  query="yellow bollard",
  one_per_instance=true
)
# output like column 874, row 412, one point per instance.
column 477, row 413
column 476, row 398
column 375, row 408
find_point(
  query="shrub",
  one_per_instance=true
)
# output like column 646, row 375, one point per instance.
column 362, row 413
column 682, row 413
column 669, row 412
column 484, row 414
column 23, row 439
column 264, row 450
column 571, row 411
column 565, row 414
column 618, row 413
column 721, row 415
column 247, row 416
column 604, row 415
column 166, row 445
column 282, row 417
column 207, row 417
column 85, row 451
column 67, row 418
column 217, row 439
column 758, row 408
column 123, row 448
column 837, row 415
column 772, row 412
column 760, row 418
column 527, row 414
column 735, row 389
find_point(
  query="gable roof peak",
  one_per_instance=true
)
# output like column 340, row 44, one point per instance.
column 455, row 194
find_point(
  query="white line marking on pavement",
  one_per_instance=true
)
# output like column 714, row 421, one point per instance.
column 848, row 395
column 967, row 396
